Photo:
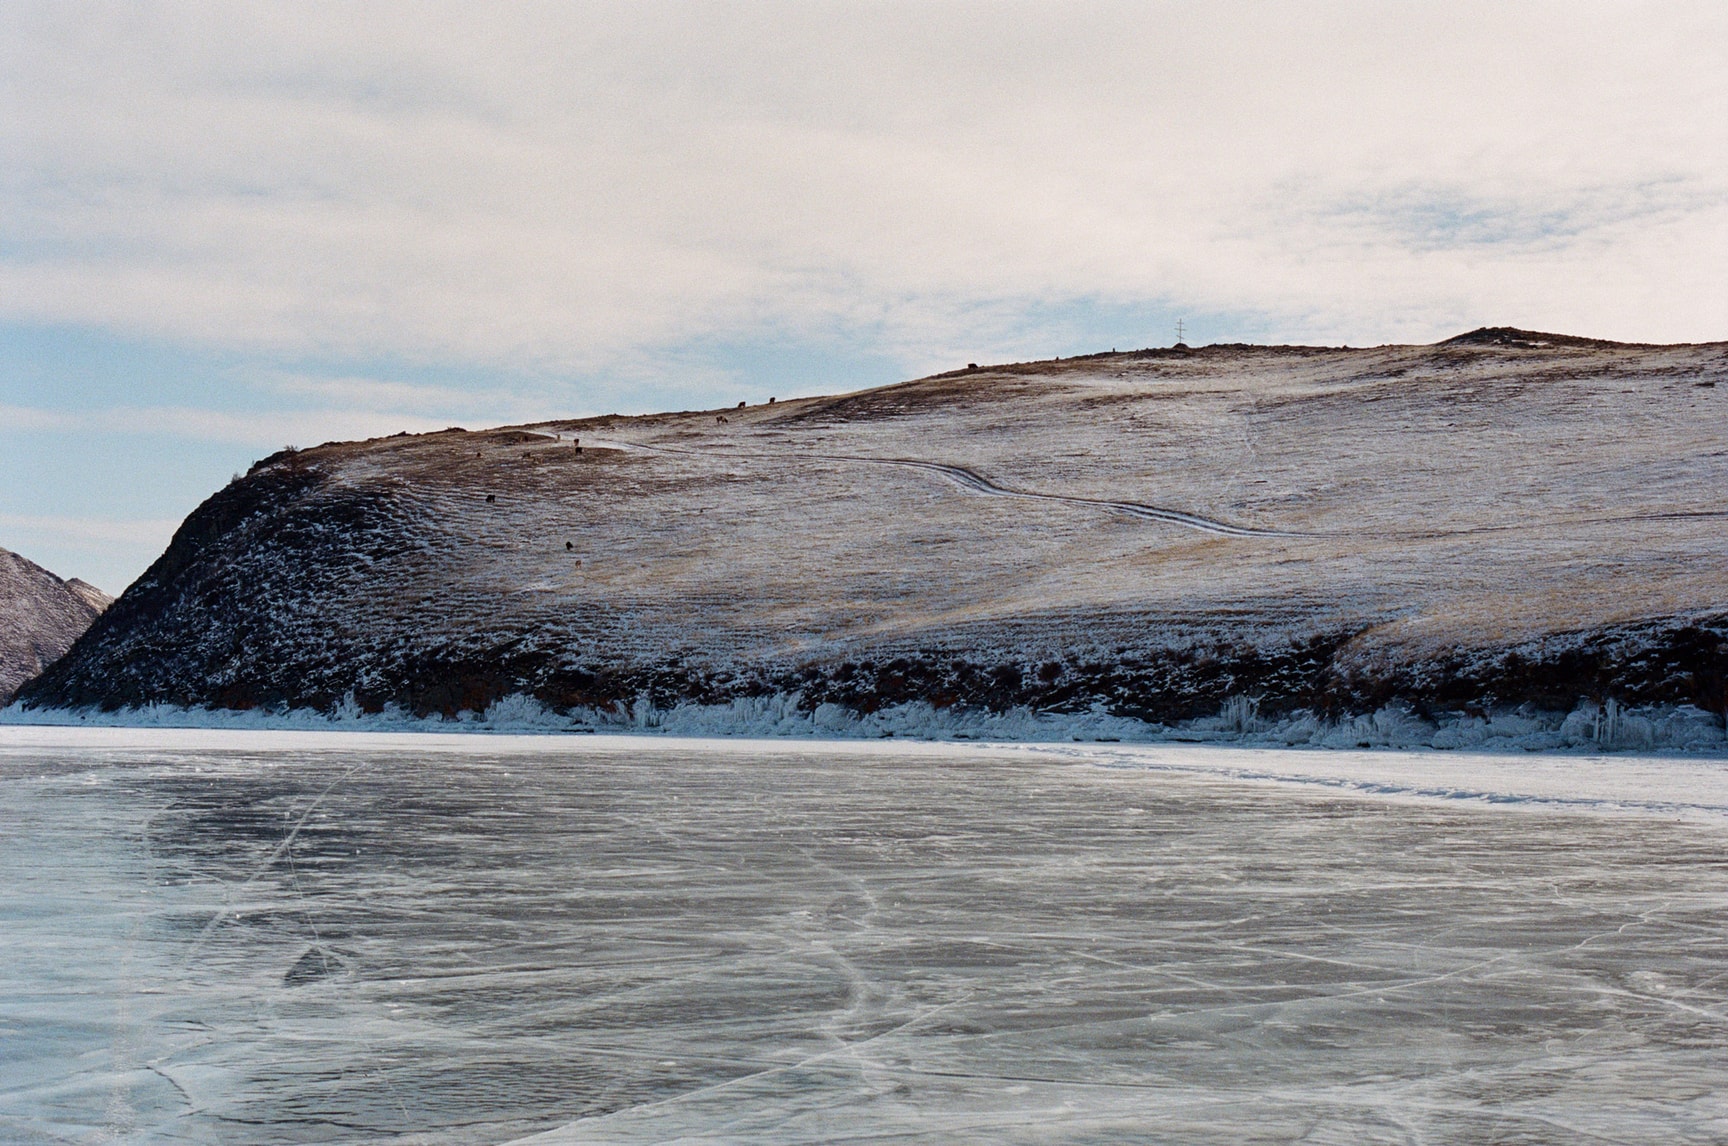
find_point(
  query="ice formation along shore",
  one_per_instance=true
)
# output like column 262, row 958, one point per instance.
column 1588, row 728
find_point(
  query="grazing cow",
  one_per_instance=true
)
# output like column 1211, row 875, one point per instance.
column 490, row 498
column 770, row 401
column 741, row 405
column 720, row 418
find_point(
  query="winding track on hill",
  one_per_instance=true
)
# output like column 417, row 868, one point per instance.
column 977, row 483
column 974, row 482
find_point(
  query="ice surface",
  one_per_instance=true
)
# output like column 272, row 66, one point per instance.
column 295, row 937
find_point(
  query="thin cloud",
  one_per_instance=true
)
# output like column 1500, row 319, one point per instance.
column 270, row 429
column 418, row 401
column 1441, row 217
column 29, row 418
column 150, row 531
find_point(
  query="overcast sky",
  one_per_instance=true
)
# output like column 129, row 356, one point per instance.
column 228, row 227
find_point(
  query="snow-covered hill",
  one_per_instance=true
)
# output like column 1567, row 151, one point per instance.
column 1504, row 518
column 40, row 617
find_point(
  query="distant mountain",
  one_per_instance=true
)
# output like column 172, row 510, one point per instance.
column 1505, row 518
column 40, row 617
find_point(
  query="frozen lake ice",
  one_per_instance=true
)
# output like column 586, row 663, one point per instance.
column 301, row 937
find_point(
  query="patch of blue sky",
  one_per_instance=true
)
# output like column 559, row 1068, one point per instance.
column 101, row 505
column 68, row 368
column 107, row 441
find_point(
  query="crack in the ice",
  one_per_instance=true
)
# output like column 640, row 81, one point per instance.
column 810, row 1060
column 229, row 890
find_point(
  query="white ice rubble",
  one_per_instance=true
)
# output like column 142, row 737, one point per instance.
column 1590, row 727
